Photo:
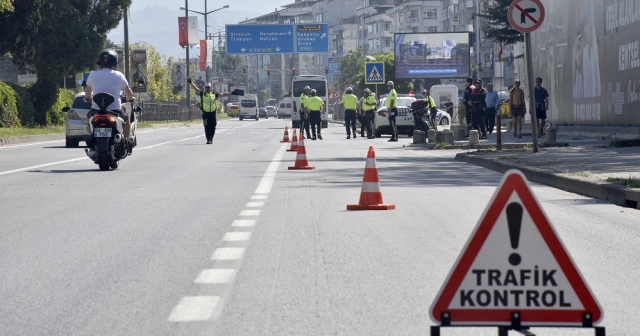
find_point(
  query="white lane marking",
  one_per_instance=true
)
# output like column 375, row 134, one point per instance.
column 228, row 253
column 267, row 179
column 243, row 222
column 216, row 276
column 30, row 144
column 41, row 166
column 194, row 308
column 259, row 197
column 249, row 212
column 236, row 236
column 255, row 204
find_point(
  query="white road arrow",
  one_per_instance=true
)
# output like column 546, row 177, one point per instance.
column 323, row 35
column 243, row 49
column 289, row 32
column 278, row 49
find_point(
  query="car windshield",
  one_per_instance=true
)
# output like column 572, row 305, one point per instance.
column 79, row 103
column 248, row 103
column 320, row 86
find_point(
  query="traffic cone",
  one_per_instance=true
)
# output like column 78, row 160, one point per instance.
column 370, row 195
column 294, row 142
column 286, row 134
column 301, row 157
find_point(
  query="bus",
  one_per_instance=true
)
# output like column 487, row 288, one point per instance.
column 249, row 107
column 319, row 83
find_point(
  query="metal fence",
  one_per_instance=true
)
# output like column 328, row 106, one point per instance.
column 167, row 112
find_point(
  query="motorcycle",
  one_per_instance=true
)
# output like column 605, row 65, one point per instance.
column 106, row 142
column 423, row 118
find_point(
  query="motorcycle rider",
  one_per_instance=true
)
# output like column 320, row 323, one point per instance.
column 304, row 111
column 478, row 103
column 210, row 107
column 369, row 107
column 431, row 106
column 316, row 106
column 109, row 80
column 350, row 104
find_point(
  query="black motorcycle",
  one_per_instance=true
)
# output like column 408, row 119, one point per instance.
column 423, row 118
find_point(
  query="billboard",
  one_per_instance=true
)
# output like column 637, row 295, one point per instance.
column 588, row 54
column 178, row 77
column 432, row 55
column 138, row 71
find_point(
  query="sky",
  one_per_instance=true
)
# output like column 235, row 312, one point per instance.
column 156, row 21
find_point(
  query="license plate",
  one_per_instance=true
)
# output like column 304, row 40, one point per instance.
column 102, row 132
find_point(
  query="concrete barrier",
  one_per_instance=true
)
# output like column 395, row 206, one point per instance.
column 474, row 137
column 419, row 137
column 550, row 137
column 440, row 136
column 448, row 137
column 431, row 135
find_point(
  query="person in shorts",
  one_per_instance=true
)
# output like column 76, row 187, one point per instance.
column 542, row 105
column 516, row 102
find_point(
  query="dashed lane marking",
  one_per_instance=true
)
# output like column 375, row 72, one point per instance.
column 194, row 308
column 228, row 253
column 216, row 276
column 243, row 223
column 236, row 236
column 249, row 212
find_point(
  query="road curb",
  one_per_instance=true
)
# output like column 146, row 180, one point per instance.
column 613, row 193
column 30, row 138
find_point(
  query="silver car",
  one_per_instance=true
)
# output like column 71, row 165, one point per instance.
column 76, row 125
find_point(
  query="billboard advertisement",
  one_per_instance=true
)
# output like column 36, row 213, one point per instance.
column 178, row 77
column 432, row 55
column 138, row 71
column 588, row 54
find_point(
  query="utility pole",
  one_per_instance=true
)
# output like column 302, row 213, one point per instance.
column 186, row 15
column 126, row 43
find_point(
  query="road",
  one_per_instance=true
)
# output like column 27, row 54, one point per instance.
column 193, row 239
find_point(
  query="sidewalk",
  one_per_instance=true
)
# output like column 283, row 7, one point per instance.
column 582, row 166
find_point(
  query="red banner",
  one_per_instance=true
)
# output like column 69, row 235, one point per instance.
column 203, row 54
column 183, row 31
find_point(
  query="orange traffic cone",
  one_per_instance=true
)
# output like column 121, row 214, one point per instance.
column 286, row 134
column 294, row 143
column 370, row 195
column 301, row 157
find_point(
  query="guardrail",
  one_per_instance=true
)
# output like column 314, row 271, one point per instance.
column 167, row 112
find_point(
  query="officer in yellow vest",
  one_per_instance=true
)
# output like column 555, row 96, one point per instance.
column 210, row 105
column 304, row 111
column 350, row 103
column 315, row 105
column 369, row 106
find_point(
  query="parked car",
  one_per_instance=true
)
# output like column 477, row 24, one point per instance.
column 404, row 119
column 285, row 108
column 233, row 110
column 262, row 113
column 76, row 125
column 272, row 111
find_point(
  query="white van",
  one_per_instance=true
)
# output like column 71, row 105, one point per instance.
column 319, row 83
column 249, row 107
column 284, row 108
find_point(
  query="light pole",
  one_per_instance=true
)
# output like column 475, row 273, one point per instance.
column 205, row 13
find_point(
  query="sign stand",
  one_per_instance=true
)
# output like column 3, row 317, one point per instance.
column 516, row 326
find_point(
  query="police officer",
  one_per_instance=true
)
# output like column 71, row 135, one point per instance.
column 369, row 107
column 478, row 102
column 209, row 106
column 392, row 111
column 315, row 105
column 431, row 106
column 466, row 101
column 304, row 111
column 350, row 104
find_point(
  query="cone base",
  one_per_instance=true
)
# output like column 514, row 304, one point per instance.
column 371, row 207
column 303, row 168
column 292, row 150
column 285, row 141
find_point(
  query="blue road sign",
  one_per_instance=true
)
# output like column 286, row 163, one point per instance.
column 259, row 39
column 312, row 38
column 374, row 73
column 334, row 65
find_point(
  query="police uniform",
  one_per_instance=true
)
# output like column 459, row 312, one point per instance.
column 478, row 102
column 350, row 102
column 369, row 107
column 304, row 119
column 210, row 106
column 466, row 98
column 393, row 111
column 315, row 104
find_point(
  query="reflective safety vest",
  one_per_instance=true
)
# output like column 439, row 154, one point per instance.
column 369, row 103
column 209, row 103
column 314, row 103
column 303, row 100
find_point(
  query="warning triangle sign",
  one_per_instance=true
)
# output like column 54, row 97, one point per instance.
column 374, row 75
column 514, row 262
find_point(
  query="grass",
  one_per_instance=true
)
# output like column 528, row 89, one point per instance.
column 630, row 182
column 9, row 132
column 441, row 145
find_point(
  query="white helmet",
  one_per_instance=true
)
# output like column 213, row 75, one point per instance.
column 207, row 85
column 390, row 83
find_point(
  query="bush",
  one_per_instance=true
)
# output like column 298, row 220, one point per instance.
column 8, row 107
column 17, row 107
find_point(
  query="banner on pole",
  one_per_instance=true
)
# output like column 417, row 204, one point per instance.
column 138, row 69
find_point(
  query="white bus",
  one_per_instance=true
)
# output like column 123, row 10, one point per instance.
column 319, row 83
column 249, row 107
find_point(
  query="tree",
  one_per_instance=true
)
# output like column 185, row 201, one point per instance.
column 6, row 6
column 498, row 28
column 159, row 68
column 352, row 70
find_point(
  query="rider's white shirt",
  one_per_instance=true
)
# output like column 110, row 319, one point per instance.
column 107, row 81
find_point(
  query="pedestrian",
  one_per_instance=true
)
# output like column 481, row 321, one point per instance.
column 369, row 106
column 542, row 104
column 478, row 101
column 516, row 102
column 209, row 105
column 391, row 104
column 304, row 112
column 351, row 106
column 466, row 101
column 491, row 102
column 449, row 106
column 316, row 106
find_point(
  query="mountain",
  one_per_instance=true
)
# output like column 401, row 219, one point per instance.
column 158, row 26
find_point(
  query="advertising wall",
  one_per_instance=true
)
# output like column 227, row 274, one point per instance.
column 432, row 55
column 587, row 52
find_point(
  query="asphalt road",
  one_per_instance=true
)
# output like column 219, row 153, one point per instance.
column 193, row 239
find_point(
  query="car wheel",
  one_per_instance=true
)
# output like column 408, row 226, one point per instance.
column 410, row 134
column 71, row 143
column 444, row 121
column 378, row 134
column 240, row 118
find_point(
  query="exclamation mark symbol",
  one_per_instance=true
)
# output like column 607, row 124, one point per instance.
column 514, row 220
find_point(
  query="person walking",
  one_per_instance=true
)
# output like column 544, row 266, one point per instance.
column 466, row 101
column 209, row 105
column 391, row 104
column 369, row 106
column 316, row 106
column 304, row 111
column 350, row 104
column 491, row 103
column 478, row 101
column 449, row 106
column 542, row 104
column 516, row 100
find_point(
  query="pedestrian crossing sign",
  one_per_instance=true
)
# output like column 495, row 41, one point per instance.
column 374, row 73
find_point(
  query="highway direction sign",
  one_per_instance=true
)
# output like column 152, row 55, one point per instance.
column 312, row 38
column 260, row 39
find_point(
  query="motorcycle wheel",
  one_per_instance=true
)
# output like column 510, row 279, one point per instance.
column 103, row 160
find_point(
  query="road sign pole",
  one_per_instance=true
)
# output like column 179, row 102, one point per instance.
column 530, row 83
